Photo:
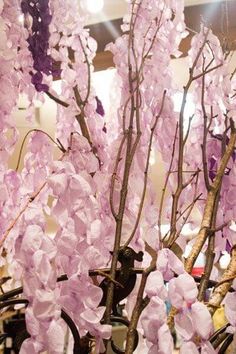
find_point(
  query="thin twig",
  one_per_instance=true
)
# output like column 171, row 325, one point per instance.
column 130, row 150
column 146, row 172
column 190, row 209
column 24, row 140
column 141, row 303
column 165, row 185
column 57, row 99
column 114, row 175
column 226, row 280
column 205, row 132
column 209, row 206
column 24, row 208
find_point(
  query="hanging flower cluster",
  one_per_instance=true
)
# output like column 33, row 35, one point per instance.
column 37, row 20
column 98, row 192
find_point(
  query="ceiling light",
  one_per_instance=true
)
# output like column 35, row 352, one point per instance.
column 92, row 6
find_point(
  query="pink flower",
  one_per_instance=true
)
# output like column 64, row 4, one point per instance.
column 182, row 291
column 169, row 264
column 230, row 309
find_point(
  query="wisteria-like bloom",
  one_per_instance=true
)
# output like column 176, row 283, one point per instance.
column 38, row 13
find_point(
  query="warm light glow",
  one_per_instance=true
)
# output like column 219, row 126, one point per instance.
column 189, row 107
column 21, row 18
column 103, row 91
column 92, row 6
column 224, row 260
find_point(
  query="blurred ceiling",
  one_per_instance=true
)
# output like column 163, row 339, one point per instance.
column 114, row 9
column 217, row 14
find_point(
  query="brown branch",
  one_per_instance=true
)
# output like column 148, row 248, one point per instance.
column 205, row 132
column 226, row 281
column 146, row 172
column 88, row 69
column 130, row 150
column 13, row 223
column 107, row 276
column 21, row 212
column 181, row 213
column 188, row 130
column 230, row 279
column 209, row 206
column 189, row 181
column 182, row 143
column 189, row 208
column 114, row 175
column 57, row 99
column 207, row 72
column 210, row 254
column 219, row 228
column 24, row 140
column 141, row 303
column 165, row 185
column 233, row 73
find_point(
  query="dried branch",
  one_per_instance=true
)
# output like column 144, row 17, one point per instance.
column 165, row 185
column 207, row 72
column 146, row 172
column 210, row 254
column 130, row 150
column 107, row 276
column 210, row 201
column 205, row 132
column 141, row 303
column 114, row 175
column 189, row 208
column 182, row 143
column 24, row 208
column 225, row 283
column 131, row 147
column 181, row 213
column 57, row 99
column 14, row 221
column 24, row 140
column 89, row 72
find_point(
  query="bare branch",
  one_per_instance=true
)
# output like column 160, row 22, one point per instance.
column 146, row 172
column 60, row 147
column 57, row 99
column 226, row 281
column 209, row 207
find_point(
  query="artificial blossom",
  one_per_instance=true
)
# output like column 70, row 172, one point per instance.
column 98, row 188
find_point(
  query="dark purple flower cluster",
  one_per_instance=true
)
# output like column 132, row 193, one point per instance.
column 99, row 109
column 38, row 39
column 213, row 160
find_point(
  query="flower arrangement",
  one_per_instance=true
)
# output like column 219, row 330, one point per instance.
column 109, row 245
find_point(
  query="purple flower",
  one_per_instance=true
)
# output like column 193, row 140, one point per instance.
column 99, row 109
column 212, row 168
column 38, row 40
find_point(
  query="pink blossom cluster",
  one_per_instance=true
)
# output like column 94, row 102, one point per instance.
column 84, row 189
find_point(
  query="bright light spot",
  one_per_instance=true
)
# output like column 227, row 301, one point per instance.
column 56, row 85
column 224, row 260
column 92, row 6
column 200, row 262
column 38, row 103
column 21, row 18
column 102, row 82
column 165, row 228
column 152, row 159
column 233, row 226
column 189, row 107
